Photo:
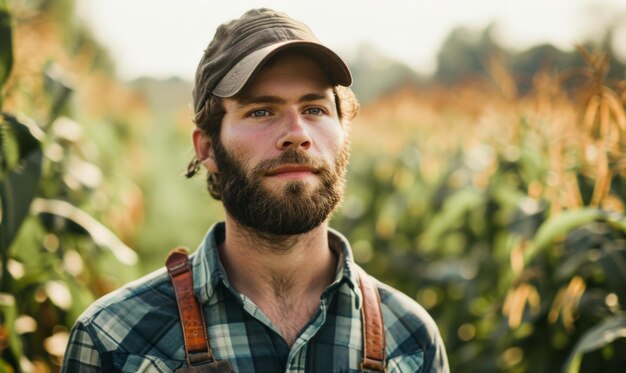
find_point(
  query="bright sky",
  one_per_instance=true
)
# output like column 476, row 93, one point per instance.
column 163, row 38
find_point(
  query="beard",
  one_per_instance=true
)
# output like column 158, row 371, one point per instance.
column 292, row 209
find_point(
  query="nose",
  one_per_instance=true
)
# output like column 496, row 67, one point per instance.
column 295, row 133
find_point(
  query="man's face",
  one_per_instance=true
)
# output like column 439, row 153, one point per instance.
column 283, row 151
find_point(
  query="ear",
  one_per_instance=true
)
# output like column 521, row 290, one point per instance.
column 204, row 150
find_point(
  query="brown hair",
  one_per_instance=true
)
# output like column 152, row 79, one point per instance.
column 209, row 120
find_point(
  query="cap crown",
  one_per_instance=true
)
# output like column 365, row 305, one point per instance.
column 234, row 40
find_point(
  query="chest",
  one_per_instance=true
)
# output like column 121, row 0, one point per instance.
column 325, row 338
column 330, row 340
column 290, row 315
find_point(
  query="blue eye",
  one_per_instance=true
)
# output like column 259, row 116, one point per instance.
column 314, row 111
column 259, row 113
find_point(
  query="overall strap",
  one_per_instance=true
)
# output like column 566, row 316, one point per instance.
column 197, row 347
column 373, row 330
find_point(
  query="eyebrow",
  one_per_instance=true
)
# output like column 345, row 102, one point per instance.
column 268, row 99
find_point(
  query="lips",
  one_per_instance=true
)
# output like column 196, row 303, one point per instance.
column 292, row 169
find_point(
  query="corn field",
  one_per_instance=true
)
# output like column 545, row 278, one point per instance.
column 502, row 215
column 500, row 211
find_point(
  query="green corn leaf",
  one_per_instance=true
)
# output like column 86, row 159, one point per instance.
column 618, row 222
column 8, row 312
column 559, row 226
column 101, row 235
column 20, row 184
column 452, row 214
column 6, row 52
column 597, row 337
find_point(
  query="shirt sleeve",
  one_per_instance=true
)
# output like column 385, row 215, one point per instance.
column 81, row 354
column 436, row 358
column 410, row 328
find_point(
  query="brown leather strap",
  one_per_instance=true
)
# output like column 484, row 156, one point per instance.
column 197, row 347
column 373, row 331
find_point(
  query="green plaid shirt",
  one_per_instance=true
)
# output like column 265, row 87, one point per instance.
column 137, row 328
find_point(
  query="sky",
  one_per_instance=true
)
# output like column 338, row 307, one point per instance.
column 164, row 38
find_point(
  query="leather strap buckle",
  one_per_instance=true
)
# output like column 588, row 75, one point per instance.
column 372, row 364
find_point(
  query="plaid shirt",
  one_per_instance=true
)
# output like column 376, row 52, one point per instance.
column 137, row 328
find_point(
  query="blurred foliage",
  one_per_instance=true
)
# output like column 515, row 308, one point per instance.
column 502, row 214
column 467, row 52
column 56, row 255
column 376, row 74
column 493, row 194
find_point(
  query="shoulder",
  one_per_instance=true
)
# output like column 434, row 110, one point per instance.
column 131, row 310
column 135, row 328
column 404, row 315
column 410, row 330
column 147, row 291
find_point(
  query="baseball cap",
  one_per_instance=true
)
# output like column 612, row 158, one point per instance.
column 241, row 46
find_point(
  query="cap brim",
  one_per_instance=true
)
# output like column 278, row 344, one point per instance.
column 239, row 75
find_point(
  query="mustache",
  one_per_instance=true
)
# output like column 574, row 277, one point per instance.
column 292, row 156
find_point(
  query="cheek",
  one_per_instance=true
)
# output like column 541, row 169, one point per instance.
column 248, row 147
column 334, row 138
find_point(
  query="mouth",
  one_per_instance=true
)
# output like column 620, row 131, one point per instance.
column 292, row 171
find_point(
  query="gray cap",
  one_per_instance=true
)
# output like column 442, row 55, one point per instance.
column 240, row 47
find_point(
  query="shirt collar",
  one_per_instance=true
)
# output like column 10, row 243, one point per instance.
column 208, row 271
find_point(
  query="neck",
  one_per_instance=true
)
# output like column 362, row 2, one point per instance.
column 261, row 263
column 283, row 275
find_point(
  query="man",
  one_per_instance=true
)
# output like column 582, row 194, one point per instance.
column 277, row 288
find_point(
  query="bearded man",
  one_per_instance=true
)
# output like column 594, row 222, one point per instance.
column 272, row 288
